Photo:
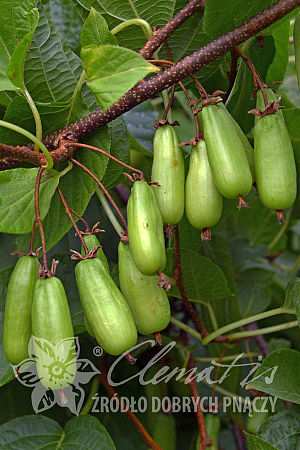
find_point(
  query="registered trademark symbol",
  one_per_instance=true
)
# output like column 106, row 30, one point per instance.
column 98, row 351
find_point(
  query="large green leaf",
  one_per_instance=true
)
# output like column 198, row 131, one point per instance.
column 65, row 17
column 256, row 443
column 41, row 432
column 16, row 23
column 292, row 297
column 253, row 294
column 222, row 17
column 15, row 68
column 53, row 116
column 51, row 68
column 95, row 31
column 203, row 280
column 283, row 429
column 157, row 13
column 6, row 372
column 279, row 375
column 257, row 223
column 120, row 150
column 111, row 71
column 17, row 198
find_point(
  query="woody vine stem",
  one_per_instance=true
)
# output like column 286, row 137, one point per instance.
column 153, row 86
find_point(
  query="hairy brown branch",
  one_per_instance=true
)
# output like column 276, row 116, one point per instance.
column 24, row 154
column 160, row 35
column 189, row 65
column 153, row 86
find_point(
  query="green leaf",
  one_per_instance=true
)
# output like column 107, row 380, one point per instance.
column 51, row 68
column 282, row 430
column 256, row 443
column 139, row 121
column 119, row 149
column 220, row 18
column 279, row 375
column 253, row 294
column 277, row 69
column 41, row 432
column 257, row 223
column 277, row 343
column 6, row 372
column 292, row 297
column 17, row 198
column 95, row 31
column 65, row 17
column 240, row 101
column 157, row 13
column 203, row 280
column 16, row 23
column 112, row 71
column 15, row 68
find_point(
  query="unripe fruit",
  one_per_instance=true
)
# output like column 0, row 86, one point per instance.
column 51, row 322
column 213, row 425
column 17, row 317
column 145, row 229
column 257, row 418
column 249, row 152
column 148, row 302
column 203, row 202
column 88, row 327
column 165, row 431
column 226, row 153
column 297, row 46
column 105, row 308
column 92, row 241
column 274, row 159
column 168, row 171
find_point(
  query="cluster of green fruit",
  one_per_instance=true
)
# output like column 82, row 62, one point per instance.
column 39, row 307
column 224, row 164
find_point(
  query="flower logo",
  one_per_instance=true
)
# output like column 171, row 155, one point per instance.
column 55, row 374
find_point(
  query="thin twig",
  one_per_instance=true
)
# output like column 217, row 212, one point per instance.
column 257, row 80
column 77, row 163
column 87, row 228
column 98, row 150
column 231, row 74
column 140, row 428
column 32, row 237
column 259, row 339
column 69, row 213
column 179, row 281
column 39, row 220
column 170, row 103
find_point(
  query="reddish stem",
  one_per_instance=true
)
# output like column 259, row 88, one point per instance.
column 179, row 281
column 231, row 74
column 87, row 228
column 140, row 428
column 68, row 211
column 170, row 102
column 96, row 149
column 32, row 237
column 77, row 163
column 258, row 81
column 38, row 218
